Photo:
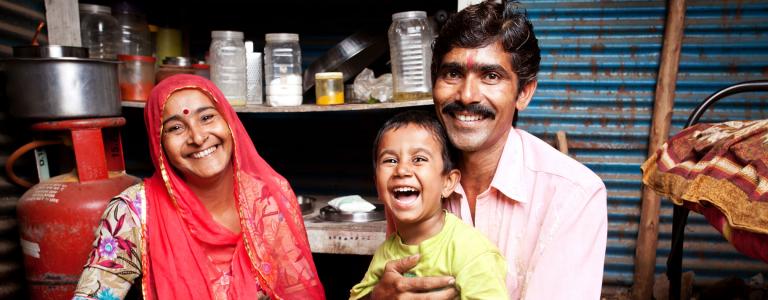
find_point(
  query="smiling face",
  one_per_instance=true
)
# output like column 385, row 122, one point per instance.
column 195, row 137
column 410, row 178
column 476, row 93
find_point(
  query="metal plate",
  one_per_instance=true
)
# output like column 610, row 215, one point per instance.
column 350, row 56
column 329, row 213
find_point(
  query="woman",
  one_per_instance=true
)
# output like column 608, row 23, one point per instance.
column 215, row 221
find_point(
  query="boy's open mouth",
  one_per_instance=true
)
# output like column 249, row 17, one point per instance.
column 405, row 195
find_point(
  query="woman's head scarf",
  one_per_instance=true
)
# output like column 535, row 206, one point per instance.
column 272, row 254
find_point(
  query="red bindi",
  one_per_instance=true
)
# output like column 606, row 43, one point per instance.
column 470, row 61
column 185, row 111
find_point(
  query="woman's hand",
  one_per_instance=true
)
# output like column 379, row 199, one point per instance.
column 393, row 285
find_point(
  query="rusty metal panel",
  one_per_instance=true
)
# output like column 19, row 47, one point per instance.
column 599, row 65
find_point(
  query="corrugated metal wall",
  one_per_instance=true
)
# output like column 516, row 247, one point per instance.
column 18, row 21
column 597, row 83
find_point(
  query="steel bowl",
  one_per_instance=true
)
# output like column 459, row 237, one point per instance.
column 54, row 82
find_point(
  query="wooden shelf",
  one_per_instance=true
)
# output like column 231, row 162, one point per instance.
column 313, row 107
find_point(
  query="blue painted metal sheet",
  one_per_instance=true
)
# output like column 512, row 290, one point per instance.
column 597, row 83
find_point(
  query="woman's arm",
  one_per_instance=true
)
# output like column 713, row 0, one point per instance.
column 115, row 260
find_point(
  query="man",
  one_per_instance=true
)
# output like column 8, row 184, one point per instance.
column 545, row 211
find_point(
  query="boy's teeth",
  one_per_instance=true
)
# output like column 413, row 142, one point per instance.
column 204, row 153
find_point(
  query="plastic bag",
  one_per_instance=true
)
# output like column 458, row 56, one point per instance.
column 371, row 89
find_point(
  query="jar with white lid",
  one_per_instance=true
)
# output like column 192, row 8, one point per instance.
column 228, row 67
column 282, row 69
column 410, row 50
column 98, row 31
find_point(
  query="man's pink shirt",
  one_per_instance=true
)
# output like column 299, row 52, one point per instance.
column 547, row 213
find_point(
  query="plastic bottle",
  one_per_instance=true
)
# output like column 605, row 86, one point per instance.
column 228, row 68
column 98, row 31
column 410, row 49
column 282, row 69
column 133, row 31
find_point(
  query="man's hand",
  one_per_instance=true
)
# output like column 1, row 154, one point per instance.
column 393, row 285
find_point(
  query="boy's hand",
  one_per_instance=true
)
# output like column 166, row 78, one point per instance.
column 393, row 285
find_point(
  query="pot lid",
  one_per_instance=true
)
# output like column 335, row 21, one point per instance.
column 49, row 51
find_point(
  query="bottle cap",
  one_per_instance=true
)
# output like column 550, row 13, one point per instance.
column 329, row 75
column 95, row 9
column 226, row 34
column 409, row 15
column 282, row 37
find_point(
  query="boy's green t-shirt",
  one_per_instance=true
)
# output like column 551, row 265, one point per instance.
column 458, row 250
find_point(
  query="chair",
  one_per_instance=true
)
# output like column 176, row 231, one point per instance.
column 680, row 213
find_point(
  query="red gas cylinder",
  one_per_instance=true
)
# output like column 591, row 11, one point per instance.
column 59, row 216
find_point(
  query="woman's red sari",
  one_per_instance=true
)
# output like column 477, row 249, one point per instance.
column 272, row 253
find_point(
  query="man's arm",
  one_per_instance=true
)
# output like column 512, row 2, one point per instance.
column 393, row 285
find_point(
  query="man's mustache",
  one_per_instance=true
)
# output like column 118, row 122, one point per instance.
column 473, row 108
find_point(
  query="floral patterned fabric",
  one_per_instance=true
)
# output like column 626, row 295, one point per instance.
column 721, row 171
column 115, row 261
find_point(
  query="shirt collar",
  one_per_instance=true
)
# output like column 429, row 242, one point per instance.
column 508, row 179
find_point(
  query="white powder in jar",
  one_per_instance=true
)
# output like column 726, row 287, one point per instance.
column 285, row 90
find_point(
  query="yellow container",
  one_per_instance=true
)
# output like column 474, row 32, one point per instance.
column 329, row 88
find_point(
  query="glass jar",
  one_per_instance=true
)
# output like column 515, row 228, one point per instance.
column 282, row 69
column 133, row 31
column 227, row 58
column 98, row 31
column 329, row 88
column 136, row 76
column 173, row 65
column 410, row 50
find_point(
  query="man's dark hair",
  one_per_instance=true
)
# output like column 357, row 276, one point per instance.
column 484, row 23
column 424, row 120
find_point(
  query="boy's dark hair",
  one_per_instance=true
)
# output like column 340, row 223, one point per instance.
column 424, row 120
column 484, row 23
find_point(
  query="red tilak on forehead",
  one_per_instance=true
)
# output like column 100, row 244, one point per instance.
column 470, row 60
column 185, row 111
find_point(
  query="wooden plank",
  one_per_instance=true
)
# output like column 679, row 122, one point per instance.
column 63, row 22
column 313, row 107
column 647, row 237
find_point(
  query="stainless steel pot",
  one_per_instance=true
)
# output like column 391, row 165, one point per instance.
column 58, row 82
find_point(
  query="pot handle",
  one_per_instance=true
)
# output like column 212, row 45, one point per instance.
column 18, row 153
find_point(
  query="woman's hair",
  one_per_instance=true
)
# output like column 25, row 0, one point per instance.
column 483, row 24
column 424, row 120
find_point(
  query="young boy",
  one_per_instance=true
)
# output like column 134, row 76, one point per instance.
column 413, row 171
